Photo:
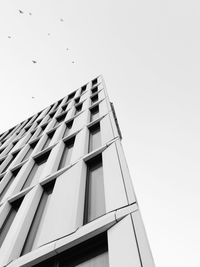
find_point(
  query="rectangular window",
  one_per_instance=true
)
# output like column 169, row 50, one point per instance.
column 38, row 222
column 29, row 152
column 12, row 178
column 83, row 89
column 90, row 253
column 94, row 194
column 64, row 107
column 9, row 219
column 77, row 100
column 71, row 96
column 49, row 138
column 78, row 108
column 36, row 170
column 67, row 153
column 95, row 81
column 68, row 127
column 95, row 137
column 61, row 118
column 94, row 90
column 94, row 98
column 94, row 113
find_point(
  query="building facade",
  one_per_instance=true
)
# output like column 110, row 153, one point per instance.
column 66, row 196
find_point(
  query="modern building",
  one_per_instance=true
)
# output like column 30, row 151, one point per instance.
column 66, row 196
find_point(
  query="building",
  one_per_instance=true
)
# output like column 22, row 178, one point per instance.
column 66, row 196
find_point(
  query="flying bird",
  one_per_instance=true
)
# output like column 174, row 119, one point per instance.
column 62, row 20
column 33, row 97
column 9, row 36
column 48, row 33
column 73, row 62
column 67, row 49
column 21, row 12
column 34, row 61
column 30, row 13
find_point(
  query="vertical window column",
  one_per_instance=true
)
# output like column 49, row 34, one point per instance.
column 94, row 194
column 67, row 153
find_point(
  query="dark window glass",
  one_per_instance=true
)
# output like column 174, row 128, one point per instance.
column 64, row 107
column 94, row 195
column 94, row 113
column 36, row 170
column 38, row 221
column 60, row 118
column 68, row 127
column 90, row 253
column 52, row 114
column 67, row 153
column 12, row 178
column 95, row 137
column 94, row 90
column 29, row 152
column 78, row 108
column 83, row 88
column 44, row 127
column 94, row 82
column 94, row 98
column 77, row 100
column 9, row 219
column 49, row 138
column 71, row 96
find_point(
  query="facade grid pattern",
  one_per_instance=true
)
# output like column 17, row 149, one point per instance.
column 66, row 196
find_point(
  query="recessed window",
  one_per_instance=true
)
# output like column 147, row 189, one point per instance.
column 52, row 114
column 90, row 253
column 94, row 90
column 67, row 153
column 94, row 137
column 57, row 104
column 9, row 219
column 77, row 100
column 94, row 113
column 95, row 81
column 12, row 178
column 94, row 98
column 94, row 194
column 11, row 160
column 38, row 223
column 78, row 108
column 83, row 89
column 64, row 107
column 44, row 126
column 71, row 96
column 30, row 150
column 49, row 138
column 36, row 170
column 68, row 127
column 60, row 118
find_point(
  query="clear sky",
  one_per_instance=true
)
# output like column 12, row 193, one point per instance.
column 149, row 55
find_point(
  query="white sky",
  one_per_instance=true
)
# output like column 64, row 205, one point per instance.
column 149, row 55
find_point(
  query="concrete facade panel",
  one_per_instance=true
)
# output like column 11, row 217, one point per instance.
column 115, row 194
column 122, row 245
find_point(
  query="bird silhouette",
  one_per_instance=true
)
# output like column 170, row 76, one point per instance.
column 30, row 13
column 73, row 62
column 9, row 36
column 21, row 12
column 34, row 61
column 32, row 97
column 49, row 34
column 67, row 49
column 62, row 20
